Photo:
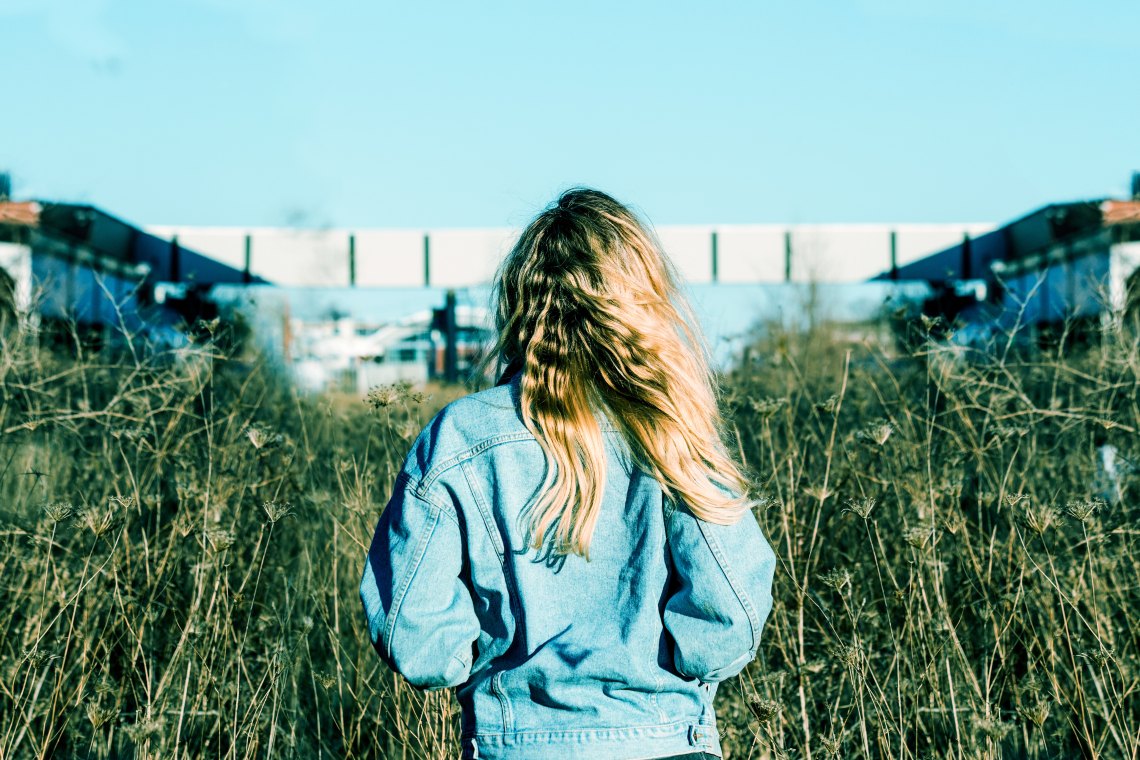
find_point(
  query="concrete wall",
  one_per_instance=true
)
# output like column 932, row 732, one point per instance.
column 466, row 257
column 16, row 261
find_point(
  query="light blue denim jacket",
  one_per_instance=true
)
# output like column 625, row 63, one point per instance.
column 615, row 657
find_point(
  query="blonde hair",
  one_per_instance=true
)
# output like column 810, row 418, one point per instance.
column 589, row 310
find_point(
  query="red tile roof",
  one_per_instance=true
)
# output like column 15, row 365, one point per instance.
column 22, row 214
column 1120, row 212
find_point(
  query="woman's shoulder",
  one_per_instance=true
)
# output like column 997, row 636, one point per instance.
column 464, row 427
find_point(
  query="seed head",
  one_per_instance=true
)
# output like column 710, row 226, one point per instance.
column 1015, row 499
column 1037, row 713
column 36, row 657
column 219, row 539
column 953, row 522
column 861, row 507
column 766, row 408
column 262, row 438
column 917, row 536
column 99, row 715
column 58, row 511
column 829, row 406
column 836, row 578
column 765, row 710
column 848, row 654
column 276, row 510
column 1040, row 517
column 1083, row 511
column 404, row 390
column 992, row 728
column 382, row 396
column 877, row 433
column 98, row 521
column 1102, row 655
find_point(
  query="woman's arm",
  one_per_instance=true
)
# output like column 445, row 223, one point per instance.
column 723, row 596
column 420, row 615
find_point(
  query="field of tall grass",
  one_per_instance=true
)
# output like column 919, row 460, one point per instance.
column 959, row 577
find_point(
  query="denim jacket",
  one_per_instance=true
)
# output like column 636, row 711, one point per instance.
column 615, row 657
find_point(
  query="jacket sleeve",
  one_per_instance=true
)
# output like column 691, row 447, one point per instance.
column 421, row 618
column 722, row 596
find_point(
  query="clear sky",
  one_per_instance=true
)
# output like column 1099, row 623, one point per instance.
column 452, row 114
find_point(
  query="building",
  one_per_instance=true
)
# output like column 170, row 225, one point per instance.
column 76, row 264
column 1073, row 262
column 353, row 308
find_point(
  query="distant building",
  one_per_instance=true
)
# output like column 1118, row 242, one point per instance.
column 1065, row 262
column 74, row 263
column 354, row 355
column 352, row 308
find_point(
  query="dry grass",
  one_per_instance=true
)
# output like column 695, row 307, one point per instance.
column 183, row 537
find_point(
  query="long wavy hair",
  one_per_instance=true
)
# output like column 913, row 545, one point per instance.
column 588, row 310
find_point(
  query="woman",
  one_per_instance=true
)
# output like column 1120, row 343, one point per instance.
column 573, row 548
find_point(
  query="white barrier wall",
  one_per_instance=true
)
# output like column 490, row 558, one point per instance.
column 916, row 241
column 389, row 258
column 300, row 257
column 690, row 250
column 840, row 253
column 760, row 253
column 753, row 253
column 467, row 257
column 222, row 244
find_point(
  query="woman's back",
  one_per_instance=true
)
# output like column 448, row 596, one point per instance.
column 574, row 548
column 616, row 656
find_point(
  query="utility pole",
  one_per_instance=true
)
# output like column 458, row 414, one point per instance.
column 451, row 331
column 444, row 320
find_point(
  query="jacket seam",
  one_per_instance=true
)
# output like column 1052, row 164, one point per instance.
column 658, row 684
column 734, row 584
column 508, row 718
column 436, row 470
column 416, row 489
column 699, row 721
column 484, row 512
column 398, row 598
column 439, row 468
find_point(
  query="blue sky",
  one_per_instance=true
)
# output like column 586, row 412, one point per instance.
column 450, row 114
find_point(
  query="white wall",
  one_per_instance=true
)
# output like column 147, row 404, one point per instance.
column 467, row 257
column 1124, row 264
column 225, row 244
column 915, row 241
column 690, row 250
column 389, row 257
column 750, row 253
column 463, row 257
column 839, row 253
column 16, row 260
column 300, row 257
